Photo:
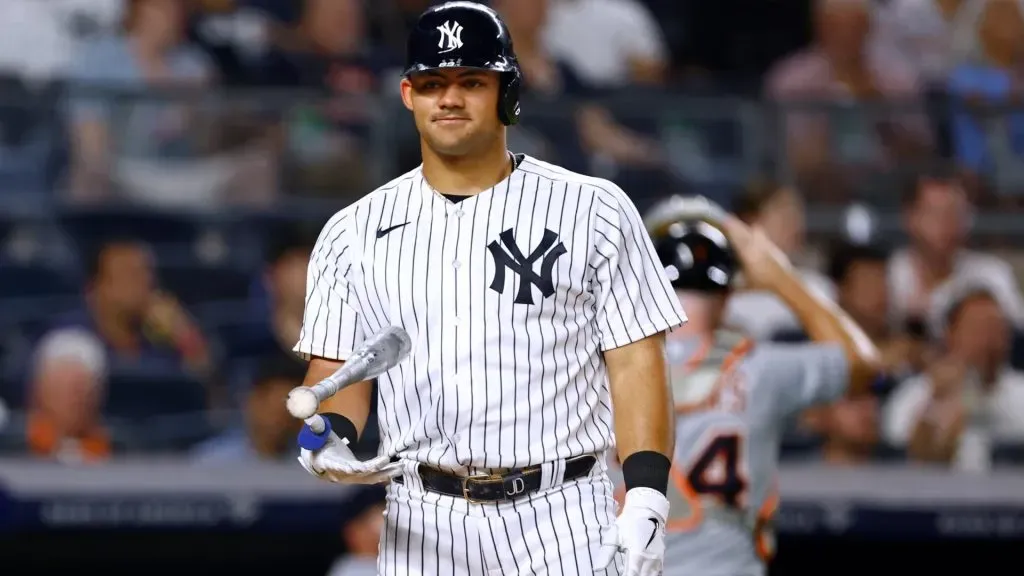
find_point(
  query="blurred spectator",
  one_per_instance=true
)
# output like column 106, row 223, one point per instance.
column 779, row 210
column 269, row 431
column 158, row 153
column 608, row 43
column 235, row 35
column 859, row 275
column 38, row 40
column 68, row 384
column 970, row 398
column 361, row 535
column 328, row 51
column 842, row 70
column 135, row 322
column 922, row 33
column 592, row 129
column 937, row 217
column 150, row 53
column 989, row 141
column 272, row 321
column 848, row 427
column 285, row 279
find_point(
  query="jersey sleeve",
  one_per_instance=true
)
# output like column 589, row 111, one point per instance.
column 634, row 297
column 331, row 322
column 791, row 377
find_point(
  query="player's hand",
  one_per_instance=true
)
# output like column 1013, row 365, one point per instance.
column 762, row 262
column 336, row 462
column 641, row 527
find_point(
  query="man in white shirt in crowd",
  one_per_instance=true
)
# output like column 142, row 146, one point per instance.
column 937, row 216
column 608, row 43
column 971, row 398
column 931, row 35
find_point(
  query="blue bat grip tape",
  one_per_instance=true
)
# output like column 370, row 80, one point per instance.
column 311, row 440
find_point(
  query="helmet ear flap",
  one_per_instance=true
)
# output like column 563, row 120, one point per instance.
column 508, row 98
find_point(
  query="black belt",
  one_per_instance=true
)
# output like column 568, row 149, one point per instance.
column 497, row 487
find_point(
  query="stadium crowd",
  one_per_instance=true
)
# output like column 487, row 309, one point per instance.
column 165, row 166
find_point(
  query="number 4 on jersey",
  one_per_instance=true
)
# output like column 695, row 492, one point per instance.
column 716, row 471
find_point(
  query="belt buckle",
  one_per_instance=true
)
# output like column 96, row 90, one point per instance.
column 477, row 478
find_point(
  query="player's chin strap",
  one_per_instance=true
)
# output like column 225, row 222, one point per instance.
column 699, row 379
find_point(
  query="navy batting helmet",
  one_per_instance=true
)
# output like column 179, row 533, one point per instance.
column 467, row 35
column 697, row 257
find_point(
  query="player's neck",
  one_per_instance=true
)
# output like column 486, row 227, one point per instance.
column 466, row 175
column 704, row 313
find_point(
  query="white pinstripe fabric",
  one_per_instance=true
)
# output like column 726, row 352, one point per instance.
column 506, row 370
column 489, row 382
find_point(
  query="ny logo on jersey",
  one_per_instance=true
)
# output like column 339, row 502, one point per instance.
column 547, row 251
column 450, row 33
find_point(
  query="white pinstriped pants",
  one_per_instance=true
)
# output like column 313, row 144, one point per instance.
column 562, row 529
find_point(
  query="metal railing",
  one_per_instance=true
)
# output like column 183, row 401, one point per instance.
column 313, row 146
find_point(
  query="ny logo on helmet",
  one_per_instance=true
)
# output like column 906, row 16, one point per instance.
column 451, row 33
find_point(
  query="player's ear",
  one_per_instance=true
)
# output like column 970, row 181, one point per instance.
column 405, row 87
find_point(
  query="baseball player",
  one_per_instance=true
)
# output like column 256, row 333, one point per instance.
column 535, row 303
column 733, row 397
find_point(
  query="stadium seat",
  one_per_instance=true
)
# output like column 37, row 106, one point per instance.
column 36, row 281
column 155, row 391
column 197, row 284
column 1017, row 350
column 1008, row 454
column 168, row 434
column 89, row 228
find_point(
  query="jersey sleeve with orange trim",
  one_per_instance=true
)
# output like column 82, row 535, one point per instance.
column 787, row 378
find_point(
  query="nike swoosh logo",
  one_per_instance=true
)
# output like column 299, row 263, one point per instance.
column 653, row 532
column 382, row 232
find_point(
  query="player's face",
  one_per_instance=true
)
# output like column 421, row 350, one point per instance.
column 456, row 110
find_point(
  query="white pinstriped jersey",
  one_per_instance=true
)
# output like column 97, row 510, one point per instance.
column 510, row 297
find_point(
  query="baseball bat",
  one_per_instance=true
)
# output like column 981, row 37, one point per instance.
column 373, row 357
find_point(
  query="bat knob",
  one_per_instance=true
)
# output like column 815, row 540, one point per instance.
column 302, row 402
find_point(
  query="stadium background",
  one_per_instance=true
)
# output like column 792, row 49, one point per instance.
column 161, row 185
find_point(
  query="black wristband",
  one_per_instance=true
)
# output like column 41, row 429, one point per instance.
column 647, row 469
column 343, row 427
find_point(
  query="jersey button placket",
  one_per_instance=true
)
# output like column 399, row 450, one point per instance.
column 458, row 214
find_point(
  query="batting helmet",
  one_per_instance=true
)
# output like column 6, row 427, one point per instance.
column 467, row 35
column 697, row 257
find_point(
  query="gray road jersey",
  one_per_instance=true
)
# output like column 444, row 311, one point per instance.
column 740, row 398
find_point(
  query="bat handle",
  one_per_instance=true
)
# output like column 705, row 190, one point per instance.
column 316, row 423
column 316, row 432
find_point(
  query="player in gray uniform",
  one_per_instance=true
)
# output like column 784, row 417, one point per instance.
column 733, row 396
